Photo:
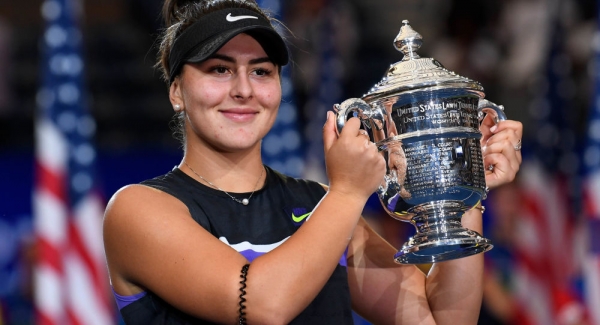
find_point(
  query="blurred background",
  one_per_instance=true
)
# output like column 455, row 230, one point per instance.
column 83, row 113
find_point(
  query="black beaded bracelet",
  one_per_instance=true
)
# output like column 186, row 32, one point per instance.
column 242, row 320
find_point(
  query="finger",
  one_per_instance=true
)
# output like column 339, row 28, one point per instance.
column 503, row 134
column 329, row 132
column 507, row 141
column 489, row 120
column 498, row 161
column 518, row 146
column 486, row 124
column 365, row 134
column 351, row 128
column 515, row 126
column 488, row 128
column 503, row 171
column 506, row 149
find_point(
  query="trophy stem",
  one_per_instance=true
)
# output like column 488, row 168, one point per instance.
column 440, row 236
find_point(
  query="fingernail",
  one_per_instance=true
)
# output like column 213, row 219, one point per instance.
column 328, row 114
column 494, row 128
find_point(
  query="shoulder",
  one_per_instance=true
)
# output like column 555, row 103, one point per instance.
column 134, row 214
column 136, row 209
column 141, row 223
column 136, row 198
column 150, row 194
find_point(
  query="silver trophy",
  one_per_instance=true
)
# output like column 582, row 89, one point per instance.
column 425, row 120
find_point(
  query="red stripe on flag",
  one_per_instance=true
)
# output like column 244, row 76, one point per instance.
column 73, row 320
column 51, row 181
column 589, row 207
column 536, row 261
column 42, row 319
column 94, row 268
column 49, row 254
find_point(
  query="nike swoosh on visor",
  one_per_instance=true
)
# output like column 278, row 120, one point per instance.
column 231, row 18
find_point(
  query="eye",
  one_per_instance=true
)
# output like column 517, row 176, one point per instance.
column 220, row 69
column 263, row 72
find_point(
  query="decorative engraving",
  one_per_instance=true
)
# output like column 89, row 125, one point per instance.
column 437, row 113
column 442, row 166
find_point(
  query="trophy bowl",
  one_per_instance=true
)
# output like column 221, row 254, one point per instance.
column 425, row 120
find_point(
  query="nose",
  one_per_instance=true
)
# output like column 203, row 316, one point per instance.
column 241, row 88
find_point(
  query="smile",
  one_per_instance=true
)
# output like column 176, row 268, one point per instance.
column 239, row 115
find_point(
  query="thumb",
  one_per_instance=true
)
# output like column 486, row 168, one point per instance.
column 329, row 133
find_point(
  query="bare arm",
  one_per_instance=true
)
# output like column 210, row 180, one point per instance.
column 152, row 243
column 455, row 287
column 385, row 292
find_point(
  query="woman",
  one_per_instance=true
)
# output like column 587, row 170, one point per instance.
column 224, row 239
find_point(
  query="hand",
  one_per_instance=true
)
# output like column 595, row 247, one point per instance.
column 501, row 149
column 354, row 165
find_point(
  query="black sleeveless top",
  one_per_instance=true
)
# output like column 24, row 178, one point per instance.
column 274, row 213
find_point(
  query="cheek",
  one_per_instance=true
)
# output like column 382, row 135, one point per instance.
column 271, row 97
column 210, row 96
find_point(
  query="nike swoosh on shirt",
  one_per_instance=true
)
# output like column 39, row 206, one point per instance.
column 231, row 18
column 300, row 218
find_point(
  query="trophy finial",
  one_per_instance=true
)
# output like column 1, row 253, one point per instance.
column 408, row 41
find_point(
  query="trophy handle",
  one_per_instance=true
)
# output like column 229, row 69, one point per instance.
column 486, row 107
column 360, row 108
column 364, row 112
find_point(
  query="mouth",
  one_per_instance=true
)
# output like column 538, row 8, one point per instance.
column 239, row 115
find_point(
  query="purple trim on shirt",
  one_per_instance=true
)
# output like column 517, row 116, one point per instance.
column 124, row 301
column 251, row 255
column 343, row 261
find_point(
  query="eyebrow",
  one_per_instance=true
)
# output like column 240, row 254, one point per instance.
column 232, row 60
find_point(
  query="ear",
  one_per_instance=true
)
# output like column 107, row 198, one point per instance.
column 175, row 92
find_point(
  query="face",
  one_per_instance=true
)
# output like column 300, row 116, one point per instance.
column 230, row 100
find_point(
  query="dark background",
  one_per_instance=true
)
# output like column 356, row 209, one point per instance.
column 477, row 39
column 505, row 45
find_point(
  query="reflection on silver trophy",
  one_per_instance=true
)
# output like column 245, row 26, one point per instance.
column 425, row 121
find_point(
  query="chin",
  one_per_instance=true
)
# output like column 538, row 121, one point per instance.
column 239, row 146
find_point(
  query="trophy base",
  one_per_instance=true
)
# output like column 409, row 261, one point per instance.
column 422, row 249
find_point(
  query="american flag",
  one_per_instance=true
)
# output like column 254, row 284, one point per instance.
column 591, row 198
column 70, row 273
column 545, row 267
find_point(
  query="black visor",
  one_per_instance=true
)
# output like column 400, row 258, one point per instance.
column 206, row 36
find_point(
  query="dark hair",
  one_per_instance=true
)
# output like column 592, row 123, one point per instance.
column 178, row 15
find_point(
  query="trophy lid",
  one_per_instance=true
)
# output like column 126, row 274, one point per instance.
column 414, row 72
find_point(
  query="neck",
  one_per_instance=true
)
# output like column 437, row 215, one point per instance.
column 237, row 172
